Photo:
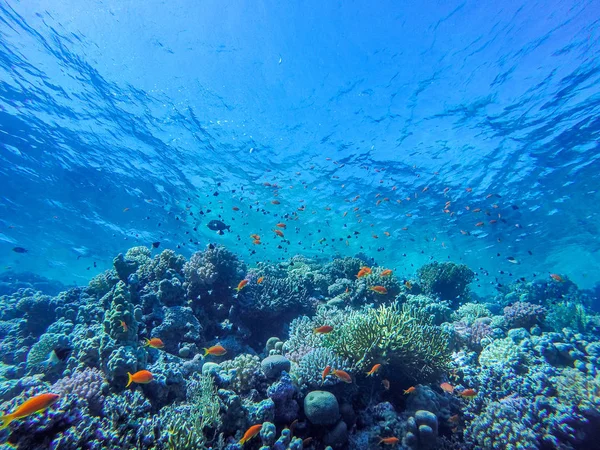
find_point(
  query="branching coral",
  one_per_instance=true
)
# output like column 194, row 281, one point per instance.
column 523, row 314
column 447, row 280
column 403, row 336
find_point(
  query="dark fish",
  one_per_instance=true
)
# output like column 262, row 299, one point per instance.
column 155, row 244
column 20, row 250
column 218, row 226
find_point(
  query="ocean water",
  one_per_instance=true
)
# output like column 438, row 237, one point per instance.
column 402, row 132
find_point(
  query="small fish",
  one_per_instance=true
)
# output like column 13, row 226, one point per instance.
column 281, row 225
column 468, row 393
column 387, row 233
column 279, row 233
column 408, row 284
column 155, row 244
column 386, row 384
column 125, row 209
column 342, row 375
column 557, row 277
column 235, row 208
column 250, row 433
column 374, row 370
column 140, row 377
column 385, row 273
column 241, row 285
column 447, row 387
column 255, row 237
column 480, row 224
column 363, row 272
column 379, row 289
column 260, row 280
column 33, row 405
column 275, row 202
column 154, row 343
column 469, row 189
column 510, row 259
column 215, row 350
column 410, row 390
column 124, row 326
column 326, row 372
column 19, row 250
column 256, row 242
column 218, row 226
column 388, row 441
column 324, row 329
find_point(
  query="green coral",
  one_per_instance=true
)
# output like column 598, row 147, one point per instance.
column 245, row 372
column 470, row 312
column 121, row 310
column 575, row 387
column 403, row 337
column 501, row 351
column 568, row 314
column 439, row 310
column 446, row 280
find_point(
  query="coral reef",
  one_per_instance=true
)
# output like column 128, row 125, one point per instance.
column 447, row 280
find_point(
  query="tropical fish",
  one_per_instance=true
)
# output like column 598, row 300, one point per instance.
column 379, row 289
column 408, row 284
column 218, row 226
column 388, row 441
column 215, row 350
column 410, row 390
column 279, row 233
column 557, row 277
column 363, row 272
column 324, row 329
column 124, row 326
column 33, row 405
column 257, row 242
column 385, row 273
column 250, row 433
column 241, row 285
column 19, row 250
column 447, row 387
column 260, row 280
column 255, row 237
column 479, row 224
column 342, row 375
column 155, row 244
column 374, row 370
column 386, row 384
column 275, row 202
column 140, row 377
column 468, row 393
column 281, row 225
column 326, row 372
column 154, row 343
column 125, row 209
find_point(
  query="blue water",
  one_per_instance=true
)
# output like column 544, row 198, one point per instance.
column 120, row 121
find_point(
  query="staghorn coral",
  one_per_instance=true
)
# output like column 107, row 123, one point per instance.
column 523, row 315
column 403, row 336
column 447, row 280
column 273, row 298
column 308, row 372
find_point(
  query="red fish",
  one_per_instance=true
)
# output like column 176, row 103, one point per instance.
column 154, row 343
column 479, row 224
column 385, row 273
column 324, row 329
column 374, row 370
column 388, row 441
column 275, row 202
column 140, row 377
column 278, row 233
column 468, row 393
column 363, row 272
column 447, row 387
column 379, row 289
column 250, row 433
column 260, row 280
column 215, row 350
column 342, row 375
column 326, row 372
column 124, row 326
column 281, row 225
column 33, row 405
column 410, row 390
column 241, row 285
column 557, row 277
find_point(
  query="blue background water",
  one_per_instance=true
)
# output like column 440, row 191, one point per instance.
column 108, row 105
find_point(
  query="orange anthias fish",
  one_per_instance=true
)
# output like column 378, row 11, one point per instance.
column 256, row 237
column 363, row 272
column 124, row 326
column 241, row 285
column 252, row 431
column 385, row 273
column 410, row 390
column 342, row 375
column 447, row 387
column 29, row 407
column 468, row 393
column 278, row 233
column 374, row 370
column 215, row 350
column 479, row 224
column 256, row 242
column 379, row 289
column 275, row 202
column 140, row 377
column 324, row 329
column 154, row 343
column 281, row 225
column 557, row 277
column 326, row 372
column 388, row 441
column 260, row 280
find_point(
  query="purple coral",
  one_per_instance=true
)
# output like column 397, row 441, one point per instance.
column 473, row 334
column 523, row 315
column 88, row 384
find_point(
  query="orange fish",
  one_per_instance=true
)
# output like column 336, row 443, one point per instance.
column 410, row 390
column 260, row 280
column 363, row 272
column 425, row 189
column 281, row 225
column 255, row 236
column 375, row 236
column 278, row 233
column 215, row 350
column 387, row 233
column 275, row 202
column 388, row 441
column 252, row 431
column 326, row 372
column 125, row 209
column 324, row 329
column 374, row 370
column 447, row 387
column 124, row 326
column 256, row 242
column 235, row 208
column 408, row 284
column 241, row 285
column 479, row 224
column 342, row 375
column 386, row 384
column 379, row 289
column 468, row 393
column 557, row 277
column 140, row 377
column 33, row 405
column 154, row 343
column 385, row 273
